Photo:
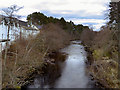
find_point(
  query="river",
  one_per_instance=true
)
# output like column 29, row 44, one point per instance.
column 73, row 73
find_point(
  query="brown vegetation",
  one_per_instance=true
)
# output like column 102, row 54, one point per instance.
column 55, row 37
column 103, row 56
column 87, row 36
column 26, row 55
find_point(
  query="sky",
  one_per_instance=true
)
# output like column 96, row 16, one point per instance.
column 86, row 12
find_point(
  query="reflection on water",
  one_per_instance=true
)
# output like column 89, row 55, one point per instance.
column 73, row 75
column 74, row 71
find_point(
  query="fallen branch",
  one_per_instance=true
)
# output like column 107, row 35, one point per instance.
column 4, row 40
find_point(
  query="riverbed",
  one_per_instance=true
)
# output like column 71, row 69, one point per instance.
column 73, row 70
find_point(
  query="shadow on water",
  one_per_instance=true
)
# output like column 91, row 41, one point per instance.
column 70, row 74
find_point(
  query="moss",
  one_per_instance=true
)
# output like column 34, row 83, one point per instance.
column 107, row 54
column 97, row 54
column 18, row 87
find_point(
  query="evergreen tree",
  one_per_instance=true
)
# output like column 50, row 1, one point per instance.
column 114, row 13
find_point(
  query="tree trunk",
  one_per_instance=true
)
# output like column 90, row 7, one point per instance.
column 6, row 49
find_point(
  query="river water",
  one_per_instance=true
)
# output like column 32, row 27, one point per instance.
column 73, row 73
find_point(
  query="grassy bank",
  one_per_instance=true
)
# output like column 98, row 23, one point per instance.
column 25, row 56
column 102, row 50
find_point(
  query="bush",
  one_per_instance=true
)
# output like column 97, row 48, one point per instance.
column 26, row 55
column 104, row 47
column 55, row 37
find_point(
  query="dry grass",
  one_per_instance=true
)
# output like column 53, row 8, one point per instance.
column 104, row 47
column 106, row 72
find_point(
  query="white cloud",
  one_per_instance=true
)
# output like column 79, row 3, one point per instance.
column 76, row 21
column 80, row 8
column 90, row 7
column 95, row 23
column 97, row 26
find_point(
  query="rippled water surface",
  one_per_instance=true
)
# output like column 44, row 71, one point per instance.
column 73, row 70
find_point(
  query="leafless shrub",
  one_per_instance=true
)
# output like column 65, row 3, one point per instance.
column 25, row 55
column 55, row 37
column 104, row 46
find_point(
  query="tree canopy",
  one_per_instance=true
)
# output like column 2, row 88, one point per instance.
column 114, row 14
column 38, row 18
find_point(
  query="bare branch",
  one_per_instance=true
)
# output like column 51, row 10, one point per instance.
column 10, row 11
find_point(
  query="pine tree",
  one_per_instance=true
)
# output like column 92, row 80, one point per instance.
column 114, row 12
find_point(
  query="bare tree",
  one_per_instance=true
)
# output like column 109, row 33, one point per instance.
column 9, row 19
column 11, row 16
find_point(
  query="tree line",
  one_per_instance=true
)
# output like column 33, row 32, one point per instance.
column 38, row 18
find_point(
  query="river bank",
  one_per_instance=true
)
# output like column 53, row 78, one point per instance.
column 62, row 72
column 29, row 55
column 89, row 62
column 50, row 70
column 101, row 77
column 103, row 61
column 48, row 66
